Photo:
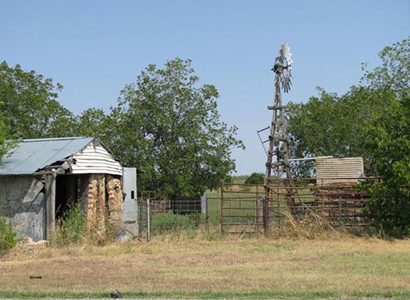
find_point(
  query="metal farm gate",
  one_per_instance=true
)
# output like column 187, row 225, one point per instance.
column 241, row 208
column 340, row 200
column 246, row 209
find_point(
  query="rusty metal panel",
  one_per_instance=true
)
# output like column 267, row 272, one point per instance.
column 339, row 170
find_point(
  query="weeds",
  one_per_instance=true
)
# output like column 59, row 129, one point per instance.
column 312, row 226
column 72, row 230
column 7, row 235
column 167, row 222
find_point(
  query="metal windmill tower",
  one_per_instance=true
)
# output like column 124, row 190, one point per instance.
column 279, row 142
column 277, row 164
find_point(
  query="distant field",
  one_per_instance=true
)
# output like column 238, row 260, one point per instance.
column 179, row 267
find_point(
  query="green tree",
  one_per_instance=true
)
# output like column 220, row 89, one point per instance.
column 29, row 105
column 4, row 136
column 394, row 72
column 337, row 125
column 370, row 121
column 255, row 178
column 390, row 144
column 170, row 128
column 94, row 122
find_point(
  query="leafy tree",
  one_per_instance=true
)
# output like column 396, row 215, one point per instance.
column 394, row 72
column 94, row 122
column 4, row 144
column 370, row 121
column 170, row 128
column 255, row 178
column 310, row 125
column 337, row 125
column 29, row 105
column 390, row 144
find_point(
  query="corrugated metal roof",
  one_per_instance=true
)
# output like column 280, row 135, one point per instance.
column 33, row 154
column 95, row 159
column 337, row 170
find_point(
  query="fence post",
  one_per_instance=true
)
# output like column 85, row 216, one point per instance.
column 340, row 212
column 204, row 210
column 148, row 220
column 222, row 206
column 207, row 216
column 257, row 209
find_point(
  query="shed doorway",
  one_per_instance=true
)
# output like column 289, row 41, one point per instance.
column 66, row 194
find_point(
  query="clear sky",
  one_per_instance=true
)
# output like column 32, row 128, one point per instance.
column 95, row 47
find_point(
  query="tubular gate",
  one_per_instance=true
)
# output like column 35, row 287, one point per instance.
column 241, row 208
column 253, row 208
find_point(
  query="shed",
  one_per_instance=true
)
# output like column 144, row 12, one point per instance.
column 41, row 178
column 339, row 170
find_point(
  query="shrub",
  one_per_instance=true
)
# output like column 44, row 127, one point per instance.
column 166, row 222
column 74, row 223
column 389, row 208
column 7, row 235
column 255, row 178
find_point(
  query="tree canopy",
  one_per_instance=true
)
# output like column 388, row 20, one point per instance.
column 165, row 124
column 337, row 125
column 170, row 128
column 394, row 72
column 255, row 178
column 390, row 144
column 372, row 121
column 3, row 138
column 29, row 105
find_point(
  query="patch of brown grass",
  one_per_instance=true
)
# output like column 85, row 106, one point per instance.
column 346, row 265
column 312, row 226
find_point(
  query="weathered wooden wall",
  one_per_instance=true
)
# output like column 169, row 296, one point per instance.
column 334, row 170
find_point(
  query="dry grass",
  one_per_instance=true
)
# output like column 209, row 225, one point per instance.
column 345, row 266
column 312, row 226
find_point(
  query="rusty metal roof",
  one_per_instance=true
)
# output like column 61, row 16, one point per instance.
column 34, row 154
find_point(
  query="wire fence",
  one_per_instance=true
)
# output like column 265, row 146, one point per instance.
column 240, row 208
column 156, row 213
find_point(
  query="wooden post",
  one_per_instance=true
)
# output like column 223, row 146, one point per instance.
column 148, row 220
column 222, row 209
column 50, row 204
column 257, row 209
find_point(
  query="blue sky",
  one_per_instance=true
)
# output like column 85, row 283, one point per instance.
column 94, row 48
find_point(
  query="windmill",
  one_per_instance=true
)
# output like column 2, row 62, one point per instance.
column 278, row 138
column 279, row 141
